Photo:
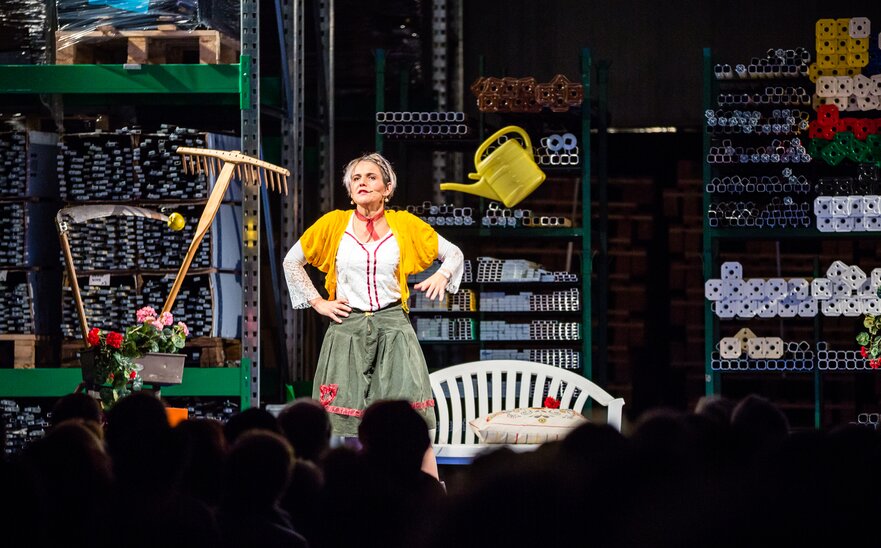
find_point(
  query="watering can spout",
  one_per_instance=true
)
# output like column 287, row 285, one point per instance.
column 478, row 189
column 508, row 174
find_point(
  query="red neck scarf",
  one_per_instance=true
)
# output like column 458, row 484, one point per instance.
column 370, row 228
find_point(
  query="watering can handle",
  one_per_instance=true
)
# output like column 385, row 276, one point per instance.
column 492, row 138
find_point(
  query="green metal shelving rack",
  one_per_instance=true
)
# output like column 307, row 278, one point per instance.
column 582, row 234
column 191, row 80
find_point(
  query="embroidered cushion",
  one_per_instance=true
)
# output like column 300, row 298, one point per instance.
column 526, row 425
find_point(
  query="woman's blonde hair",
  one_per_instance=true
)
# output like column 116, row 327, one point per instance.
column 385, row 168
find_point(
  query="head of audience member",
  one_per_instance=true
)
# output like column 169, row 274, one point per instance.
column 394, row 436
column 664, row 442
column 76, row 406
column 253, row 418
column 138, row 440
column 306, row 425
column 715, row 407
column 258, row 469
column 759, row 426
column 202, row 447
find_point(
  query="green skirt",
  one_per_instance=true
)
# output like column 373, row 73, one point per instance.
column 371, row 356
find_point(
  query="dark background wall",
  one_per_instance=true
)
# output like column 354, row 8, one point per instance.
column 654, row 47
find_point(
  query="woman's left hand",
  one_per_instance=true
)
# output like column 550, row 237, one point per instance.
column 433, row 286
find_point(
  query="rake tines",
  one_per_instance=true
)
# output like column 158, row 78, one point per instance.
column 247, row 169
column 221, row 164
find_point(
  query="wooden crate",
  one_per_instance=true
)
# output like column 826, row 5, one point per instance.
column 20, row 351
column 107, row 45
column 214, row 351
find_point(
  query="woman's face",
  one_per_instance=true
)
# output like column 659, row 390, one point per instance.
column 367, row 187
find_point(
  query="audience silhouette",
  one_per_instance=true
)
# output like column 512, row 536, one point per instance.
column 731, row 473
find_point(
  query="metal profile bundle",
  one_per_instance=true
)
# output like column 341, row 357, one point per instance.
column 558, row 150
column 504, row 217
column 30, row 301
column 159, row 168
column 526, row 94
column 868, row 419
column 444, row 329
column 28, row 234
column 777, row 63
column 27, row 164
column 463, row 301
column 754, row 184
column 108, row 303
column 23, row 425
column 564, row 358
column 842, row 48
column 840, row 360
column 97, row 167
column 780, row 122
column 779, row 152
column 848, row 213
column 467, row 275
column 834, row 139
column 771, row 95
column 558, row 301
column 845, row 291
column 537, row 330
column 196, row 301
column 779, row 212
column 422, row 124
column 443, row 214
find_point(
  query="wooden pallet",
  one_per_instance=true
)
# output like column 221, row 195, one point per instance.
column 108, row 45
column 215, row 351
column 21, row 348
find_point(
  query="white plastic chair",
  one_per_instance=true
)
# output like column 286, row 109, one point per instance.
column 470, row 390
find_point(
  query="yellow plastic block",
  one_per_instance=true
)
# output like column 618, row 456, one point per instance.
column 827, row 47
column 857, row 45
column 857, row 59
column 812, row 72
column 825, row 29
column 842, row 27
column 827, row 61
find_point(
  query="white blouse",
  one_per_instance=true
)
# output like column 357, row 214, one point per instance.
column 365, row 271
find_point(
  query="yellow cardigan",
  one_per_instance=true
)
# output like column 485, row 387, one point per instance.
column 416, row 239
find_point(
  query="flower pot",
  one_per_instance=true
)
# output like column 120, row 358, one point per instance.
column 87, row 363
column 161, row 369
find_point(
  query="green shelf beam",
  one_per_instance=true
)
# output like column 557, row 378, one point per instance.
column 48, row 383
column 104, row 79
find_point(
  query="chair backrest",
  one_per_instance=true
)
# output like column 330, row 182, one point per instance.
column 470, row 390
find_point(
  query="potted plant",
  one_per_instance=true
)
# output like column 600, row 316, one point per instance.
column 148, row 352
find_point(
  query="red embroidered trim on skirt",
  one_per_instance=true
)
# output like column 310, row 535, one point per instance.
column 344, row 411
column 327, row 393
column 423, row 404
column 349, row 412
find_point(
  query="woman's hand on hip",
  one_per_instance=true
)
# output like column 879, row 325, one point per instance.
column 433, row 286
column 335, row 310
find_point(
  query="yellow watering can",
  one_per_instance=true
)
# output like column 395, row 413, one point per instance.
column 508, row 174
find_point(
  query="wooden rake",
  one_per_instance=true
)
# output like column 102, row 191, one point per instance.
column 224, row 165
column 69, row 216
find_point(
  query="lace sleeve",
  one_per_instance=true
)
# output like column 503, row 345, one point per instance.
column 300, row 287
column 453, row 262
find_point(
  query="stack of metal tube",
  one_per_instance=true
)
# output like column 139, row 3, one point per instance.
column 558, row 150
column 443, row 214
column 777, row 63
column 420, row 125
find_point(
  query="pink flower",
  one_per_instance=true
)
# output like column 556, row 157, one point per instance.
column 183, row 327
column 146, row 314
column 166, row 318
column 157, row 324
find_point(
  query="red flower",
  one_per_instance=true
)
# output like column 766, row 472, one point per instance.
column 114, row 339
column 864, row 352
column 874, row 364
column 551, row 403
column 110, row 376
column 132, row 375
column 94, row 338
